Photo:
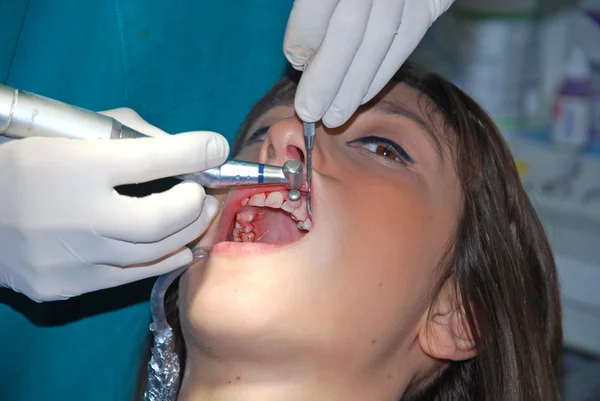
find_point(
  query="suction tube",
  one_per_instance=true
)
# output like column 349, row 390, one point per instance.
column 163, row 367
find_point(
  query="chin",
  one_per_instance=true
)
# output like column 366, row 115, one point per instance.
column 259, row 274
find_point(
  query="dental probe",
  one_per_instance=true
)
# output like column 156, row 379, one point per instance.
column 309, row 137
column 24, row 115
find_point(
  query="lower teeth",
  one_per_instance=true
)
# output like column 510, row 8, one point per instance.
column 304, row 225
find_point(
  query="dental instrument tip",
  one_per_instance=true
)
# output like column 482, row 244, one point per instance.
column 294, row 195
column 292, row 170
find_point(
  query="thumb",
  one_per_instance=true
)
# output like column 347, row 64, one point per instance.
column 147, row 159
column 165, row 265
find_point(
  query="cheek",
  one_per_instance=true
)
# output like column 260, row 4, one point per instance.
column 210, row 235
column 219, row 193
column 249, row 153
column 189, row 284
column 389, row 237
column 394, row 225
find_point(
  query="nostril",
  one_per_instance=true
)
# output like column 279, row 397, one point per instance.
column 297, row 152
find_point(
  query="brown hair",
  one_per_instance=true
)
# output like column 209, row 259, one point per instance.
column 500, row 258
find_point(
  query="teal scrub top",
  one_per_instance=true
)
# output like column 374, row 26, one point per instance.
column 182, row 65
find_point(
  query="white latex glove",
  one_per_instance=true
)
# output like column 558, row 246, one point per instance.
column 350, row 49
column 65, row 231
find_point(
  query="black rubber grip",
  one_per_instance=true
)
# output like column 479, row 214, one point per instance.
column 148, row 188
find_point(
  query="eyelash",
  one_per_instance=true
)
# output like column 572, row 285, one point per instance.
column 385, row 148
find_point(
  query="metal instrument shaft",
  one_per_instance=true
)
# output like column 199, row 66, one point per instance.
column 237, row 173
column 24, row 114
column 309, row 137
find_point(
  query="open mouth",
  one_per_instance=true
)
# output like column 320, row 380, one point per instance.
column 264, row 215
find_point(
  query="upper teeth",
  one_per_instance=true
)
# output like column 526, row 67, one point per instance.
column 275, row 200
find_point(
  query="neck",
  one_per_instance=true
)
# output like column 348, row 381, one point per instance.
column 206, row 380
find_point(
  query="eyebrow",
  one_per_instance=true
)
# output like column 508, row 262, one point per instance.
column 386, row 107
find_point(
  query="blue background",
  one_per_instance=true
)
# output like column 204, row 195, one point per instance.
column 182, row 65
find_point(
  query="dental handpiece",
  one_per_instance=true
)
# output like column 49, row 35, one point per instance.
column 24, row 115
column 237, row 173
column 309, row 138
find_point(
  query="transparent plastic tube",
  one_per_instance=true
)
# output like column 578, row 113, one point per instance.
column 163, row 367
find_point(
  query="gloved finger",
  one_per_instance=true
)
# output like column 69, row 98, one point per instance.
column 112, row 276
column 416, row 20
column 130, row 118
column 323, row 77
column 155, row 217
column 305, row 30
column 136, row 273
column 120, row 253
column 380, row 33
column 147, row 159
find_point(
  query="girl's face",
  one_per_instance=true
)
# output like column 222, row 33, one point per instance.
column 351, row 294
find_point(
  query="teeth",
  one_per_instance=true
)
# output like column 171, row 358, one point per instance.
column 257, row 200
column 304, row 225
column 245, row 216
column 300, row 214
column 242, row 231
column 294, row 204
column 274, row 200
column 286, row 207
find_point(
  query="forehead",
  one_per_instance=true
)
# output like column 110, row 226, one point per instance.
column 396, row 97
column 399, row 93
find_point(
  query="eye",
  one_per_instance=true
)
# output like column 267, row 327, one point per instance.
column 383, row 147
column 257, row 136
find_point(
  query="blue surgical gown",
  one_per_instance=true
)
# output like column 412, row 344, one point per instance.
column 182, row 65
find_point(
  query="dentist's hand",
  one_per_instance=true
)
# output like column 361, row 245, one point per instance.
column 352, row 48
column 65, row 231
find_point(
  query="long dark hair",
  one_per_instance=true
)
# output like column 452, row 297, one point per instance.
column 500, row 258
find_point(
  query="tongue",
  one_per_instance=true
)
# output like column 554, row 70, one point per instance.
column 274, row 226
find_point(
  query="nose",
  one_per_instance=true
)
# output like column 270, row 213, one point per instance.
column 284, row 141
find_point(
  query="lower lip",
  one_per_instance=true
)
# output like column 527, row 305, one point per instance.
column 229, row 248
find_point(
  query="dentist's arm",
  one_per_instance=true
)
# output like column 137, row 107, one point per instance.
column 65, row 231
column 353, row 48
